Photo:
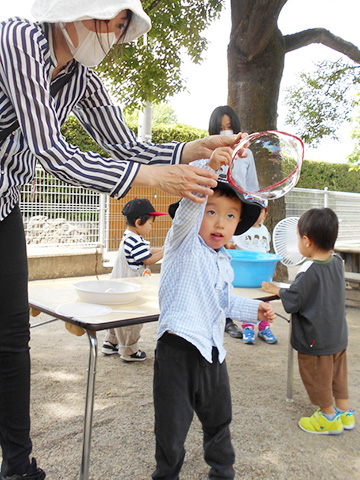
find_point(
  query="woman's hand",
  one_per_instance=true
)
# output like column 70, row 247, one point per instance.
column 204, row 147
column 180, row 180
column 186, row 180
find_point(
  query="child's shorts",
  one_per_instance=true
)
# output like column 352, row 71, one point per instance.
column 324, row 377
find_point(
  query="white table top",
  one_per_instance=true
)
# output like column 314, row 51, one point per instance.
column 48, row 295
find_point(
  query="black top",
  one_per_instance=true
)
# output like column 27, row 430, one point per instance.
column 316, row 300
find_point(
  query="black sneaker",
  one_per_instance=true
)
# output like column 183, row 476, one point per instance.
column 33, row 473
column 109, row 348
column 139, row 356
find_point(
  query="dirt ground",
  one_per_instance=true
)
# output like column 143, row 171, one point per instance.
column 268, row 443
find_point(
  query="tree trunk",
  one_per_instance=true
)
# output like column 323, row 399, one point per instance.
column 253, row 89
column 256, row 55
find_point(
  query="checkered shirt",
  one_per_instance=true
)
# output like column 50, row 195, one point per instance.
column 195, row 286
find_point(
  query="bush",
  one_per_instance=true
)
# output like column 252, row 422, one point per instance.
column 318, row 175
column 178, row 133
column 335, row 176
column 76, row 135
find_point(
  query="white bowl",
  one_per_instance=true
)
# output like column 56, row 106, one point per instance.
column 106, row 292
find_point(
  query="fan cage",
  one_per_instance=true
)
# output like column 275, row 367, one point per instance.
column 285, row 242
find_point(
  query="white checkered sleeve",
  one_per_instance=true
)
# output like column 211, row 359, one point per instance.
column 244, row 309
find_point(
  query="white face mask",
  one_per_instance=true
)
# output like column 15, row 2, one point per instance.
column 92, row 46
column 226, row 132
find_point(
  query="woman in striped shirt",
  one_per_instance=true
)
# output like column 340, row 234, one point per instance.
column 69, row 38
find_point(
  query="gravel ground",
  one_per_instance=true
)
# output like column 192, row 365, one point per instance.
column 268, row 443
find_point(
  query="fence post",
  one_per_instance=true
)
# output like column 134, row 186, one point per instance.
column 326, row 197
column 102, row 226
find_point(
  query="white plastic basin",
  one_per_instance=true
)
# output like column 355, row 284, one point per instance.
column 107, row 292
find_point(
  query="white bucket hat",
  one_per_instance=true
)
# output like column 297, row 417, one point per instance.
column 53, row 11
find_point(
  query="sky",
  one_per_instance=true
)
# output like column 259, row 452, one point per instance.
column 207, row 83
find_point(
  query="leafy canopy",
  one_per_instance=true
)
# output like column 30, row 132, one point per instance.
column 354, row 157
column 323, row 100
column 162, row 114
column 149, row 70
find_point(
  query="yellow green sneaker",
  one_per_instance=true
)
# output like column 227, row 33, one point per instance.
column 320, row 425
column 347, row 419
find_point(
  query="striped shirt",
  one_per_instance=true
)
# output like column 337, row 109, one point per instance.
column 27, row 62
column 136, row 249
column 195, row 286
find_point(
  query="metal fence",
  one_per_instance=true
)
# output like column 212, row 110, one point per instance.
column 58, row 214
column 345, row 205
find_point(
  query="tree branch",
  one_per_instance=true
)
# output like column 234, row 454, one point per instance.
column 323, row 36
column 153, row 6
column 253, row 24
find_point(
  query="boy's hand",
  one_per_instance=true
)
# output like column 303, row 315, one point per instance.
column 270, row 288
column 220, row 156
column 266, row 313
column 204, row 147
column 230, row 245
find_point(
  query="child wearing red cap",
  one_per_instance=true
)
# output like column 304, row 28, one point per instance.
column 133, row 257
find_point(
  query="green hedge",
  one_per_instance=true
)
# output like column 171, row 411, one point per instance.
column 76, row 135
column 335, row 176
column 314, row 174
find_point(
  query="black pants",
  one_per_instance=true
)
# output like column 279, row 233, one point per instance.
column 14, row 350
column 184, row 383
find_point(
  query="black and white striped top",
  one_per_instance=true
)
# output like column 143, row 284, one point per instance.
column 136, row 249
column 27, row 62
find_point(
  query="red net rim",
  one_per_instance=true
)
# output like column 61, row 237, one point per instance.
column 284, row 180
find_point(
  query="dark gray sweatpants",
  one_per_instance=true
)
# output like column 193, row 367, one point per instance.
column 184, row 383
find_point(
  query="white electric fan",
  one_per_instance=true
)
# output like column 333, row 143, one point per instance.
column 285, row 242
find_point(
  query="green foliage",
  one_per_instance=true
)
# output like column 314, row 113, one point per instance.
column 151, row 71
column 354, row 157
column 335, row 176
column 313, row 174
column 178, row 132
column 162, row 113
column 322, row 100
column 76, row 135
column 131, row 116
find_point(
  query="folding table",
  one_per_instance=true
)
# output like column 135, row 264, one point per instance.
column 47, row 295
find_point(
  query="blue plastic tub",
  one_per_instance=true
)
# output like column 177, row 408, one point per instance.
column 252, row 268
